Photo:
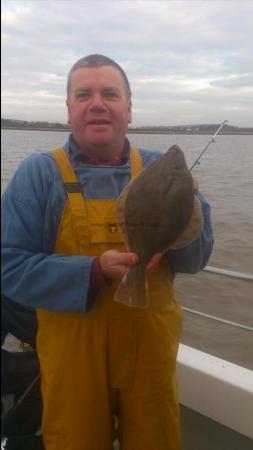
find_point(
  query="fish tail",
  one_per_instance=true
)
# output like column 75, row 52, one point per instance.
column 133, row 288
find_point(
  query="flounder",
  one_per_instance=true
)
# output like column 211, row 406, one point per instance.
column 157, row 211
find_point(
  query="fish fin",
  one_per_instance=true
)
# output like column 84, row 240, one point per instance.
column 193, row 229
column 133, row 288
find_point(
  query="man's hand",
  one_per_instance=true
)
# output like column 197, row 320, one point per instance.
column 115, row 264
column 195, row 186
column 154, row 261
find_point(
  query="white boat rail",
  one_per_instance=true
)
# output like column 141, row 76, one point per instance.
column 216, row 388
column 228, row 273
column 218, row 319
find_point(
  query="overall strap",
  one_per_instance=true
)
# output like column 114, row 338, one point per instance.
column 66, row 170
column 75, row 196
column 135, row 162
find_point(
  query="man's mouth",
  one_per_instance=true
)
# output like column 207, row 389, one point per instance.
column 98, row 122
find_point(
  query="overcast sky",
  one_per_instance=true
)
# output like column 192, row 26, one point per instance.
column 187, row 61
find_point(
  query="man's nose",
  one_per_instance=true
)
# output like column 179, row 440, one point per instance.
column 97, row 103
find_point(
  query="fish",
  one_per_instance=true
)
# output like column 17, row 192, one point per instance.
column 157, row 211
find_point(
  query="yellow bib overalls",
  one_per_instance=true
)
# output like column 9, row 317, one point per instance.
column 113, row 360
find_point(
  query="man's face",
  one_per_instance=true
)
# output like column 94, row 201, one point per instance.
column 98, row 109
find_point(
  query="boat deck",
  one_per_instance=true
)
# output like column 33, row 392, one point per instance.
column 201, row 433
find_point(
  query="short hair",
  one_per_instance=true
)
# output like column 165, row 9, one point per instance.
column 96, row 60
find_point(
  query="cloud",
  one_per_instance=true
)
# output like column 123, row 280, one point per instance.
column 243, row 80
column 191, row 56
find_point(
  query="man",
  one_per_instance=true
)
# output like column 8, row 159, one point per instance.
column 99, row 359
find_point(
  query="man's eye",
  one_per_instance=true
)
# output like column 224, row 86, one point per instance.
column 111, row 94
column 83, row 95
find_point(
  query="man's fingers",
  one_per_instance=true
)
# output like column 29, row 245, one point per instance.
column 128, row 258
column 115, row 263
column 195, row 185
column 154, row 261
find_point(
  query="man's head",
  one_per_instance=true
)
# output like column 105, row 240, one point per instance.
column 97, row 60
column 99, row 105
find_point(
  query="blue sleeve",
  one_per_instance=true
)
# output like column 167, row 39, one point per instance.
column 31, row 276
column 21, row 322
column 194, row 257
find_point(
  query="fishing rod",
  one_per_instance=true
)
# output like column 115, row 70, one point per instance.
column 6, row 416
column 212, row 140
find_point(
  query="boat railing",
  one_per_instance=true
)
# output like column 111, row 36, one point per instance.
column 227, row 273
column 215, row 387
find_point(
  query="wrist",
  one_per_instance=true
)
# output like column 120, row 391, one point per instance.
column 97, row 277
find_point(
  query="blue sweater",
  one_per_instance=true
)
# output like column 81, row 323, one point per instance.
column 32, row 206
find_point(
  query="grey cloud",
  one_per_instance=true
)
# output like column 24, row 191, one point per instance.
column 196, row 46
column 234, row 81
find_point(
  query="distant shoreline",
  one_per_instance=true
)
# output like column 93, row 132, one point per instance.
column 137, row 131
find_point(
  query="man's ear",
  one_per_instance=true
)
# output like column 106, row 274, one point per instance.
column 68, row 108
column 130, row 111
